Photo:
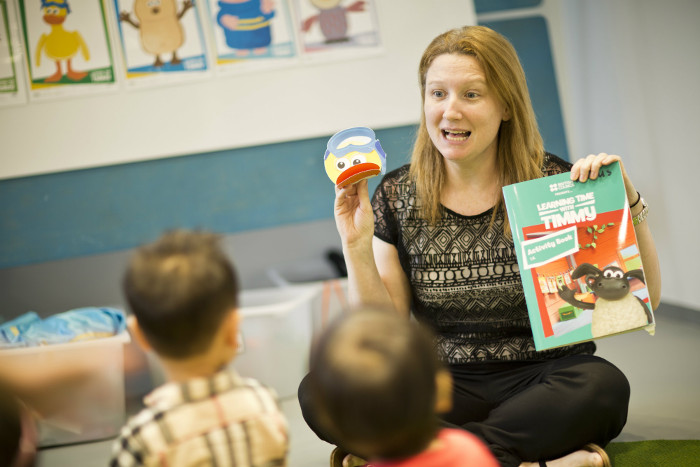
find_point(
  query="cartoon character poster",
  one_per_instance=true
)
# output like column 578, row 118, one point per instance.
column 11, row 89
column 251, row 33
column 160, row 38
column 337, row 25
column 67, row 46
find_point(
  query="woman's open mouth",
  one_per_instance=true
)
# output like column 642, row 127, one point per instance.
column 456, row 135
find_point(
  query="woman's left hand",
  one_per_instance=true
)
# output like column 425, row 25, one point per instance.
column 589, row 168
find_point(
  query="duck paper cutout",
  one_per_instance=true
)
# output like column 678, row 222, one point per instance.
column 352, row 155
column 60, row 44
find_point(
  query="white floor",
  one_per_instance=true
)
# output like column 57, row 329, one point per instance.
column 663, row 370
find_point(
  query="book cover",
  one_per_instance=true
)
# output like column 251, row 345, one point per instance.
column 578, row 258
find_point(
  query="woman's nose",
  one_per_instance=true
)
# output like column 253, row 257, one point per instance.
column 452, row 111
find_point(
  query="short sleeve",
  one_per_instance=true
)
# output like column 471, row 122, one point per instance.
column 553, row 165
column 391, row 202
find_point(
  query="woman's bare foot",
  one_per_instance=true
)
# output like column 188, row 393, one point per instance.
column 580, row 458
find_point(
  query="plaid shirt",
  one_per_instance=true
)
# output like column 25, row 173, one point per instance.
column 224, row 420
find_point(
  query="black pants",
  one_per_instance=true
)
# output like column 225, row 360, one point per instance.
column 530, row 411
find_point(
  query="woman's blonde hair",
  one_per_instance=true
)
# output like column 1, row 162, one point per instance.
column 520, row 148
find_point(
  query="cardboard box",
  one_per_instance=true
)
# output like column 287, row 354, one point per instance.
column 91, row 405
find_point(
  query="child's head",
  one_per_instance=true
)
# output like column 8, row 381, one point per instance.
column 378, row 383
column 180, row 289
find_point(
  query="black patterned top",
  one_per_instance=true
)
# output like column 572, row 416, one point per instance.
column 464, row 275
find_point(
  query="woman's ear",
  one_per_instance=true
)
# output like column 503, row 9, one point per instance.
column 506, row 114
column 443, row 391
column 135, row 330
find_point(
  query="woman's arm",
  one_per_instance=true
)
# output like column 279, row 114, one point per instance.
column 386, row 257
column 589, row 167
column 375, row 276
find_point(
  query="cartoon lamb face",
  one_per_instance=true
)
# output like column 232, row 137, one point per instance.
column 616, row 309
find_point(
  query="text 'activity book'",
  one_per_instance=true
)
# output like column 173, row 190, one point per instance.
column 578, row 257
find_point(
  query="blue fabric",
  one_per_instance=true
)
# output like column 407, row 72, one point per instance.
column 70, row 326
column 11, row 331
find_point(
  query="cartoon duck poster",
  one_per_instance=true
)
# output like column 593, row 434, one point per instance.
column 257, row 33
column 67, row 45
column 333, row 25
column 159, row 38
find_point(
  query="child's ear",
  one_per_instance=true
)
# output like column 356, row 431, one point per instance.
column 443, row 392
column 135, row 330
column 233, row 325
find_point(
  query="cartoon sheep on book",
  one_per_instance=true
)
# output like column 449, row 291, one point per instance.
column 616, row 309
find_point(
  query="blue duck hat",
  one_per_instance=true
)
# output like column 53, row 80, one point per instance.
column 336, row 139
column 60, row 3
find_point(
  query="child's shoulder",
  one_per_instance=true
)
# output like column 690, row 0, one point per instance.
column 467, row 446
column 182, row 412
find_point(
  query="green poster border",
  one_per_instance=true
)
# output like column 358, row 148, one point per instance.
column 3, row 5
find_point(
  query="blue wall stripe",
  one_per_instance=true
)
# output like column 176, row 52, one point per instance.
column 489, row 6
column 76, row 213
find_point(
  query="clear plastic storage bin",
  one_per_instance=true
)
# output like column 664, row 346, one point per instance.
column 91, row 408
column 276, row 334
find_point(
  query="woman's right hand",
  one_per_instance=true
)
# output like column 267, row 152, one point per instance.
column 353, row 213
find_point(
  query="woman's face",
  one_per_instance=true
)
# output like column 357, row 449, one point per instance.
column 462, row 114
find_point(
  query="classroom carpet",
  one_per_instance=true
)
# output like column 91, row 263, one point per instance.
column 655, row 453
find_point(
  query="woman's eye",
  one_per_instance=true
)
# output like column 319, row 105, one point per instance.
column 472, row 95
column 438, row 94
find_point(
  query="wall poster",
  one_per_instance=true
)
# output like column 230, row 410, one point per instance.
column 335, row 28
column 161, row 41
column 67, row 47
column 251, row 34
column 11, row 86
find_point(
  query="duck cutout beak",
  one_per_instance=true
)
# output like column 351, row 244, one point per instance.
column 352, row 155
column 357, row 172
column 55, row 11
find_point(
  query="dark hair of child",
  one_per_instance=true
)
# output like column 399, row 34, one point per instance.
column 180, row 288
column 373, row 377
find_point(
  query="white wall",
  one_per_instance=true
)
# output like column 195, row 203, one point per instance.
column 632, row 87
column 302, row 100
